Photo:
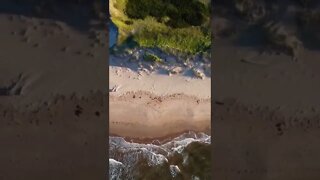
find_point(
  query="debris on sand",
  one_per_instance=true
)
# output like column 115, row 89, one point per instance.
column 114, row 88
column 134, row 57
column 176, row 70
column 198, row 73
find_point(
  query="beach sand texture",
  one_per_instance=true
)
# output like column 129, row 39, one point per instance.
column 153, row 104
column 53, row 94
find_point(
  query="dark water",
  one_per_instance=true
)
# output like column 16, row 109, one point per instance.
column 113, row 34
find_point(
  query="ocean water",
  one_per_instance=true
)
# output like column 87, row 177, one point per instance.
column 187, row 156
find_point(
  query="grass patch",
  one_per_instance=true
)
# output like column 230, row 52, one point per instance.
column 152, row 58
column 150, row 27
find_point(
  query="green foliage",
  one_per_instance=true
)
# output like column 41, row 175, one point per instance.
column 153, row 58
column 190, row 40
column 182, row 13
column 165, row 24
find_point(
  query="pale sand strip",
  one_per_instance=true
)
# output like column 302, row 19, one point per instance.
column 143, row 115
column 157, row 105
column 158, row 84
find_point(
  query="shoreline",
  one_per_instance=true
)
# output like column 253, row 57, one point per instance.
column 157, row 140
column 144, row 115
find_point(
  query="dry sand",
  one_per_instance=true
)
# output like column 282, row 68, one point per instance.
column 277, row 83
column 44, row 135
column 272, row 130
column 144, row 115
column 43, row 56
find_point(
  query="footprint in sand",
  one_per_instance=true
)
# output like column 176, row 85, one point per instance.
column 79, row 52
column 36, row 45
column 64, row 49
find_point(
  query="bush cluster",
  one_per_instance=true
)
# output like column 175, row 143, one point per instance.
column 175, row 13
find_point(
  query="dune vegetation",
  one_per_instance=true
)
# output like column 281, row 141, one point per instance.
column 171, row 25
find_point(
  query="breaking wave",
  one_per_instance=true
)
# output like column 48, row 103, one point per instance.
column 184, row 157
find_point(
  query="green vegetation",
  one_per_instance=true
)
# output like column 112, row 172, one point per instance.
column 172, row 25
column 174, row 13
column 153, row 58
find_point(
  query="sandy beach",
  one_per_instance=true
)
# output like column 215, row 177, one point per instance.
column 159, row 90
column 156, row 105
column 53, row 48
column 145, row 115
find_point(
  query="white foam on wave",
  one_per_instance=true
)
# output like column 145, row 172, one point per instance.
column 129, row 153
column 115, row 169
column 174, row 170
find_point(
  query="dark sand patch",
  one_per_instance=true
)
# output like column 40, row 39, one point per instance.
column 263, row 143
column 52, row 141
column 270, row 128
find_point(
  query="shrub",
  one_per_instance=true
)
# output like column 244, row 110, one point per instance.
column 158, row 27
column 153, row 58
column 182, row 13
